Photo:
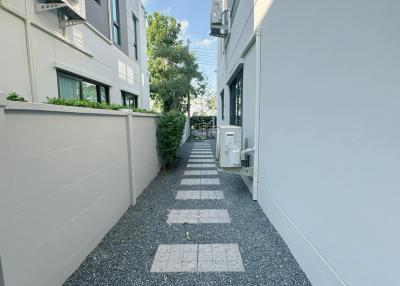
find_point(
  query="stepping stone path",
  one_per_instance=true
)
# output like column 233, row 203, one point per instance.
column 192, row 226
column 213, row 257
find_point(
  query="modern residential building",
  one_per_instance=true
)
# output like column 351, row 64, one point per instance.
column 315, row 85
column 88, row 49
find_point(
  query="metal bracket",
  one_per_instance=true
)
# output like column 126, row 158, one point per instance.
column 40, row 7
column 243, row 171
column 67, row 23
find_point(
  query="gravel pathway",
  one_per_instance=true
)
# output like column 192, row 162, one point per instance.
column 125, row 255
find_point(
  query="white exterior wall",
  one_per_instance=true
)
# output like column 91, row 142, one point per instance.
column 330, row 84
column 67, row 175
column 78, row 49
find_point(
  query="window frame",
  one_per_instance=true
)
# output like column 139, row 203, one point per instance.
column 236, row 99
column 135, row 36
column 80, row 79
column 124, row 94
column 116, row 23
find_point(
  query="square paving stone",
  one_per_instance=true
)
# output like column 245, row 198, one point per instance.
column 201, row 161
column 198, row 258
column 195, row 216
column 204, row 156
column 199, row 195
column 201, row 166
column 201, row 173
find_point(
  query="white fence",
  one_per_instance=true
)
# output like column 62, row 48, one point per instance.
column 186, row 131
column 67, row 175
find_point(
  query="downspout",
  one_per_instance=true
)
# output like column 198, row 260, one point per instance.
column 32, row 77
column 27, row 24
column 257, row 116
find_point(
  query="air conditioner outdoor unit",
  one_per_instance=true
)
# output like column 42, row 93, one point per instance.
column 229, row 146
column 216, row 12
column 72, row 12
column 229, row 153
column 219, row 22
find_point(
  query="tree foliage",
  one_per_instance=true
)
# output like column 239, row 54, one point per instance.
column 212, row 103
column 174, row 73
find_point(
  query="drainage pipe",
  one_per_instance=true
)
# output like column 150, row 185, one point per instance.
column 257, row 116
column 27, row 24
column 32, row 76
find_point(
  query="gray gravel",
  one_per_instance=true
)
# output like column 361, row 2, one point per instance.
column 125, row 255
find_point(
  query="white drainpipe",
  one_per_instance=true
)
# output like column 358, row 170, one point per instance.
column 257, row 116
column 4, row 5
column 32, row 76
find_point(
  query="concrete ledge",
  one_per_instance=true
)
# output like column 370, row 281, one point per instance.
column 27, row 106
column 43, row 107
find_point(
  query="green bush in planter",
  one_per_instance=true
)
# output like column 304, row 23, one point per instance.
column 93, row 104
column 169, row 135
column 13, row 96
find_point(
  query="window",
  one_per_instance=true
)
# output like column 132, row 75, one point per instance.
column 129, row 99
column 74, row 87
column 116, row 22
column 222, row 99
column 135, row 36
column 98, row 1
column 236, row 96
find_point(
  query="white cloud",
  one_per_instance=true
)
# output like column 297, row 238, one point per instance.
column 184, row 25
column 206, row 42
column 167, row 11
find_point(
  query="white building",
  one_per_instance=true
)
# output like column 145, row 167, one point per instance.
column 100, row 59
column 316, row 87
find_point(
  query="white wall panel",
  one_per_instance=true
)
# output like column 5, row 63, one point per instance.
column 329, row 169
column 64, row 183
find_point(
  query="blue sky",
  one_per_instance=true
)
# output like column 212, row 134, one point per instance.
column 194, row 16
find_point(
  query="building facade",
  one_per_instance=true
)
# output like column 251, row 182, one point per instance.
column 315, row 86
column 102, row 58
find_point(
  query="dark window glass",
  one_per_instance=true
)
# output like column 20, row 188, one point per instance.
column 135, row 36
column 68, row 87
column 129, row 99
column 74, row 87
column 116, row 22
column 103, row 94
column 98, row 1
column 89, row 91
column 236, row 100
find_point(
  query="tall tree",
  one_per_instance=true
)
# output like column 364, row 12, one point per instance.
column 174, row 73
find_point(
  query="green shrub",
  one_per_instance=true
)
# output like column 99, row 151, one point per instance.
column 13, row 96
column 92, row 104
column 169, row 135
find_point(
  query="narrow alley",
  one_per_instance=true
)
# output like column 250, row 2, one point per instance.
column 192, row 226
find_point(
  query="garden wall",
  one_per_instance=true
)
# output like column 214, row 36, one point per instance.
column 67, row 175
column 186, row 131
